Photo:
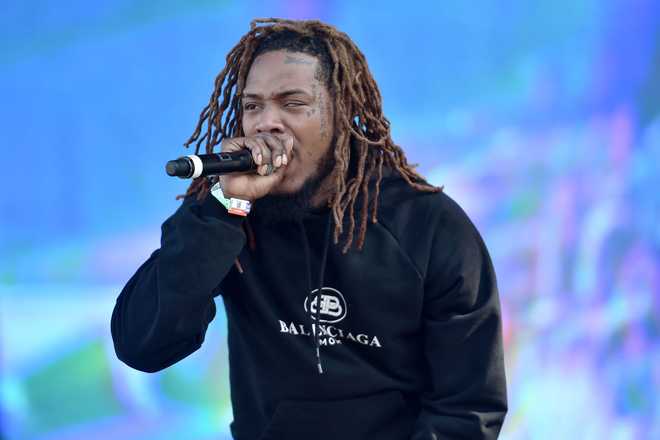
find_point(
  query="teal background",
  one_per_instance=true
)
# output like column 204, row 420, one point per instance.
column 542, row 119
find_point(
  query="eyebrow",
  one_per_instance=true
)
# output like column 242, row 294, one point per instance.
column 282, row 94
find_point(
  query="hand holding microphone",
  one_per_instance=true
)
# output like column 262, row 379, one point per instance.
column 237, row 162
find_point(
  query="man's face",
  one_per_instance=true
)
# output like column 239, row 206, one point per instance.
column 285, row 96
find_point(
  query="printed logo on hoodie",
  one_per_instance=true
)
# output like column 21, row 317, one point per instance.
column 333, row 309
column 333, row 305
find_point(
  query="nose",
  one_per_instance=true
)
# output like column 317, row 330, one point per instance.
column 269, row 121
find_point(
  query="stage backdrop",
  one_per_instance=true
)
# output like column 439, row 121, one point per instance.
column 542, row 119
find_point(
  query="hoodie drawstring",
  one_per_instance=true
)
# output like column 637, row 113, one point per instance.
column 317, row 297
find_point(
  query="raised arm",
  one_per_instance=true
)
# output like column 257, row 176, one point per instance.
column 162, row 314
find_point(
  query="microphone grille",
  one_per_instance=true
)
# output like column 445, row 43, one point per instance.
column 179, row 167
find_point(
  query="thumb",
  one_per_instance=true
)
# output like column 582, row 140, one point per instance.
column 266, row 183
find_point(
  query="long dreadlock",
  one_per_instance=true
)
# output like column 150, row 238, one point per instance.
column 358, row 120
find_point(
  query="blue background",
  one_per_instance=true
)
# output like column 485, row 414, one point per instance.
column 542, row 119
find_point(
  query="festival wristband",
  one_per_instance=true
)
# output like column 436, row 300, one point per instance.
column 233, row 205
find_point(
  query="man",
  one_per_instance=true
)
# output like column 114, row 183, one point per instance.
column 393, row 331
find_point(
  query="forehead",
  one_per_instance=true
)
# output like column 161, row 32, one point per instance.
column 278, row 70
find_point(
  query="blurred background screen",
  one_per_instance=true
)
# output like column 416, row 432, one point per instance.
column 542, row 119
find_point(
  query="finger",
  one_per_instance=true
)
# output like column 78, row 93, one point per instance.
column 266, row 182
column 245, row 143
column 263, row 149
column 278, row 151
column 266, row 169
column 232, row 144
column 288, row 146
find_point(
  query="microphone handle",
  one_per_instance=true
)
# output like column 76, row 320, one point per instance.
column 211, row 164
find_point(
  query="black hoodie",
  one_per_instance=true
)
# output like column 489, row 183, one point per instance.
column 409, row 328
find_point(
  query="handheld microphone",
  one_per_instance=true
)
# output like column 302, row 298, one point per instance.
column 193, row 166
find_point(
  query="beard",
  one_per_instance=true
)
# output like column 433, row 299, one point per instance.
column 275, row 208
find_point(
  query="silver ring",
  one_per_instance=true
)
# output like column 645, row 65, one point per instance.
column 269, row 169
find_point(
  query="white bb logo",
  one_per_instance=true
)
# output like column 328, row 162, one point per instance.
column 333, row 305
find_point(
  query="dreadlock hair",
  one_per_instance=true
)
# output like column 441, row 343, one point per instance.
column 360, row 127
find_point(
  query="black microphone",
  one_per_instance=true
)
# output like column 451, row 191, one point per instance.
column 211, row 164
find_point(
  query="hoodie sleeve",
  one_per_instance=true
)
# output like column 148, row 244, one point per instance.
column 162, row 314
column 466, row 394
